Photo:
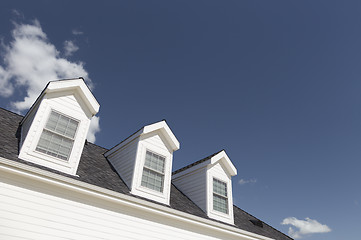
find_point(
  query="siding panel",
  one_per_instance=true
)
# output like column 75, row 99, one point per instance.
column 38, row 214
column 124, row 160
column 193, row 185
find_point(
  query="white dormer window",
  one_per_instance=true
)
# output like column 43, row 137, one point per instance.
column 58, row 135
column 208, row 184
column 144, row 161
column 220, row 197
column 54, row 130
column 153, row 171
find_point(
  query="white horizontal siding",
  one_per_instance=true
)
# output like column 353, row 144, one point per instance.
column 34, row 210
column 219, row 172
column 123, row 161
column 68, row 102
column 156, row 141
column 194, row 186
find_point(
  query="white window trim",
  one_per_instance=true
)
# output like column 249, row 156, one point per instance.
column 142, row 191
column 28, row 151
column 140, row 175
column 226, row 197
column 164, row 170
column 33, row 152
column 225, row 217
column 72, row 139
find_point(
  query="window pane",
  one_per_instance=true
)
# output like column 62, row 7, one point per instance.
column 220, row 203
column 52, row 121
column 220, row 198
column 62, row 124
column 153, row 171
column 219, row 187
column 72, row 126
column 154, row 161
column 152, row 180
column 57, row 137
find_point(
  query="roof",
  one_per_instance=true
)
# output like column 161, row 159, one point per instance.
column 95, row 169
column 161, row 126
column 196, row 163
column 219, row 156
column 76, row 85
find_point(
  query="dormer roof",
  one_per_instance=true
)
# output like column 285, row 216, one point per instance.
column 160, row 126
column 163, row 127
column 219, row 156
column 77, row 86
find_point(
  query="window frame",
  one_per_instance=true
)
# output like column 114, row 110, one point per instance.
column 226, row 198
column 72, row 139
column 153, row 170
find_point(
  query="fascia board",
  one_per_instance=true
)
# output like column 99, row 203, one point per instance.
column 122, row 199
column 80, row 87
column 222, row 156
column 165, row 130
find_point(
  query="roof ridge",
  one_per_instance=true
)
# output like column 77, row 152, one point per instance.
column 196, row 163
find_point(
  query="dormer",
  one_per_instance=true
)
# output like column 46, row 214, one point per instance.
column 208, row 184
column 54, row 130
column 144, row 161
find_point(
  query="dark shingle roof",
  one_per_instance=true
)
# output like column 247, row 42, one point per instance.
column 95, row 169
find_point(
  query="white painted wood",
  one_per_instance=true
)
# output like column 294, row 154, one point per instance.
column 68, row 102
column 34, row 209
column 197, row 183
column 168, row 135
column 80, row 88
column 218, row 171
column 153, row 142
column 128, row 158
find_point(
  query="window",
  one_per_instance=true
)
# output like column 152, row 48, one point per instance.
column 153, row 171
column 57, row 137
column 220, row 199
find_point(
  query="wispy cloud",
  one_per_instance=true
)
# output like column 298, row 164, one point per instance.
column 243, row 181
column 77, row 32
column 304, row 227
column 29, row 62
column 18, row 14
column 70, row 48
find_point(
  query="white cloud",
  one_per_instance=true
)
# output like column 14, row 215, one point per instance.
column 93, row 129
column 77, row 32
column 305, row 227
column 70, row 48
column 30, row 62
column 243, row 181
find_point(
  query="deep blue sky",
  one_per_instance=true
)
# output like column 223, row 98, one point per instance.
column 274, row 83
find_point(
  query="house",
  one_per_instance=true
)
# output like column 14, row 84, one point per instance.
column 56, row 185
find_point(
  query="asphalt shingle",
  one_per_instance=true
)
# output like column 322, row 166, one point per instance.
column 95, row 169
